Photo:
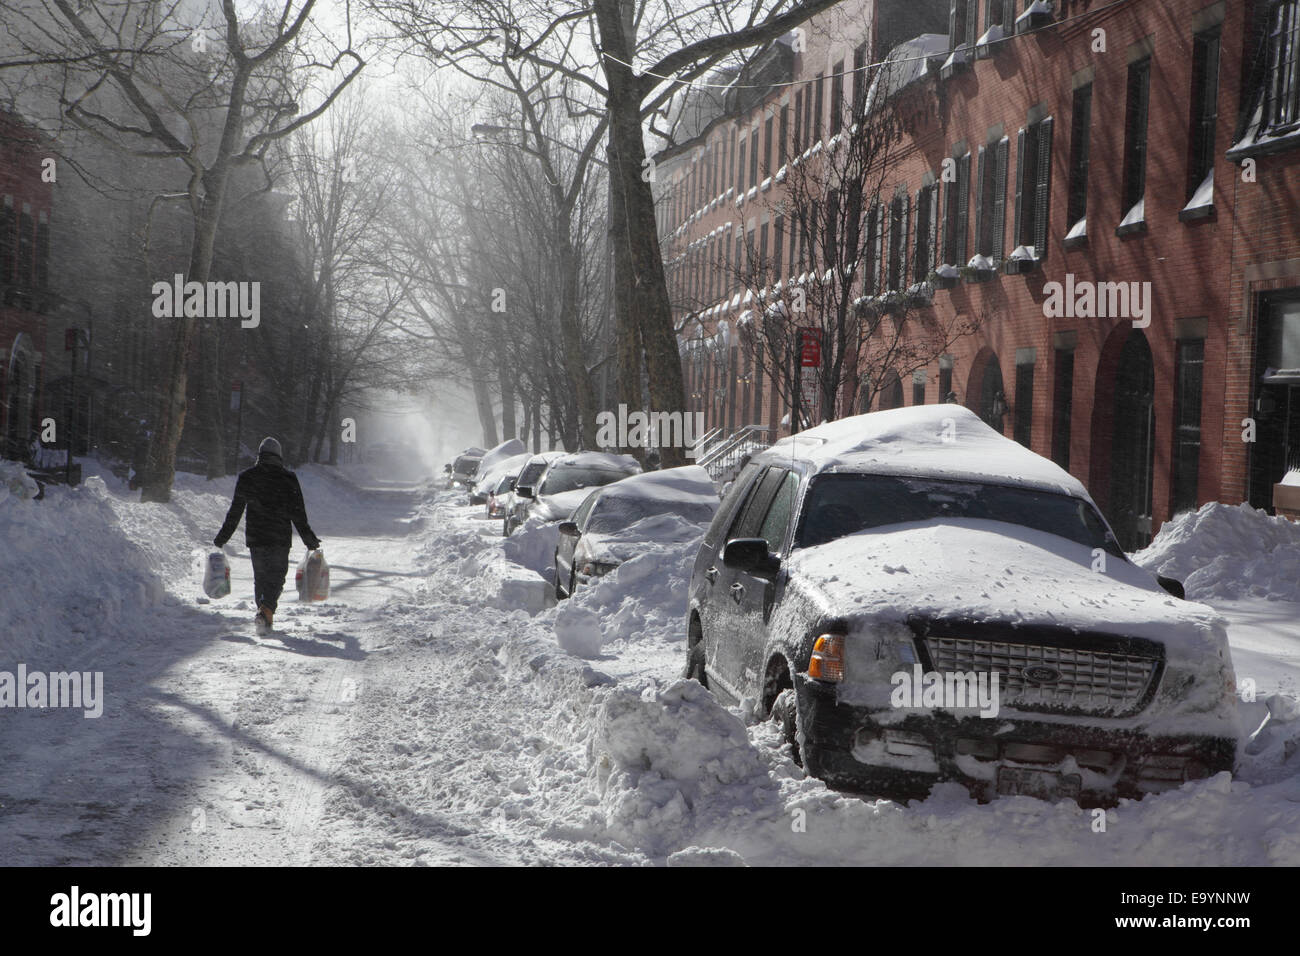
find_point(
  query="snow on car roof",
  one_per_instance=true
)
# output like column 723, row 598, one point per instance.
column 511, row 466
column 689, row 484
column 941, row 441
column 598, row 459
column 507, row 449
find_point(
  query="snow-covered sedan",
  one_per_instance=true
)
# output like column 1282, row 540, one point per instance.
column 915, row 598
column 566, row 482
column 615, row 522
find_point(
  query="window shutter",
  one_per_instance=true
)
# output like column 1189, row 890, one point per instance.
column 1018, row 231
column 981, row 192
column 1043, row 191
column 963, row 207
column 998, row 246
column 922, row 228
column 949, row 203
column 934, row 228
column 902, row 242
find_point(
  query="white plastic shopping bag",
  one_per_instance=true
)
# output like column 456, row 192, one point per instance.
column 216, row 575
column 313, row 577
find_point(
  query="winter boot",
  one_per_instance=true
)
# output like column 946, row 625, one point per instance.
column 263, row 619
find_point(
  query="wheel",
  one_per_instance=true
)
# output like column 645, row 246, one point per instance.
column 785, row 712
column 695, row 664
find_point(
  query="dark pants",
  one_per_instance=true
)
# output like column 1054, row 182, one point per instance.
column 270, row 565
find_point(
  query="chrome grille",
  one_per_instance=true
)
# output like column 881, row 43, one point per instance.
column 1100, row 683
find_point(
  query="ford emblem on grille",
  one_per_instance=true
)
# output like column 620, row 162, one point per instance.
column 1041, row 674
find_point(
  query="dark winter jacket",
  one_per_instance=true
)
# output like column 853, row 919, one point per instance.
column 274, row 499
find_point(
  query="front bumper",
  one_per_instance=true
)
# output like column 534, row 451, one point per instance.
column 853, row 749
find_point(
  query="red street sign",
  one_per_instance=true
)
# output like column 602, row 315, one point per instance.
column 810, row 347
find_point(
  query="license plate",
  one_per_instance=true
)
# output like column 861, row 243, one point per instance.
column 1043, row 784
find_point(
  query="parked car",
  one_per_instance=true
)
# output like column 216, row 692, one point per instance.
column 497, row 484
column 565, row 482
column 465, row 467
column 857, row 563
column 488, row 467
column 529, row 476
column 614, row 522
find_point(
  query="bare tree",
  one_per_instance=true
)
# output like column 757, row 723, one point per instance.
column 642, row 51
column 212, row 99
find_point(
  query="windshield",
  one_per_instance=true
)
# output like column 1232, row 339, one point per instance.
column 530, row 473
column 838, row 505
column 569, row 477
column 613, row 513
column 503, row 485
column 466, row 465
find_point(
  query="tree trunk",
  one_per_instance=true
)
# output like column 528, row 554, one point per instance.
column 627, row 340
column 650, row 308
column 209, row 400
column 173, row 396
column 486, row 417
column 509, row 425
column 575, row 361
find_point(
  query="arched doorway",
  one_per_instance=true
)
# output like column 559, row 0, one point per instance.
column 1132, row 442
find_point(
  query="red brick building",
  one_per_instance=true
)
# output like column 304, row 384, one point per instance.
column 1120, row 213
column 25, row 299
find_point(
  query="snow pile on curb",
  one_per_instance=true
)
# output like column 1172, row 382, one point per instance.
column 67, row 568
column 1226, row 552
column 656, row 754
column 641, row 599
column 533, row 545
column 465, row 559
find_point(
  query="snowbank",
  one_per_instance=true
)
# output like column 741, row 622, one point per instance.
column 1226, row 552
column 68, row 568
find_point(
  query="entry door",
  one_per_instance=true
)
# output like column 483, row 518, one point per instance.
column 1133, row 444
column 1276, row 408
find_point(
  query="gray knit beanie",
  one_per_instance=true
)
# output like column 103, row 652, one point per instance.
column 269, row 446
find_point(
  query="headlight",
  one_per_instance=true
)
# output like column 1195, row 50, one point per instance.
column 827, row 662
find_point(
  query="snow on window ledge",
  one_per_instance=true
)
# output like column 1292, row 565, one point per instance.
column 753, row 191
column 766, row 184
column 781, row 174
column 1077, row 237
column 990, row 42
column 1201, row 205
column 1134, row 221
column 957, row 61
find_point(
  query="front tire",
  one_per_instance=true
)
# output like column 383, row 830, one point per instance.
column 695, row 665
column 785, row 714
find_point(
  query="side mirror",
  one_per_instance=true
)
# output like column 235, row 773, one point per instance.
column 1173, row 586
column 569, row 528
column 750, row 554
column 524, row 491
column 447, row 469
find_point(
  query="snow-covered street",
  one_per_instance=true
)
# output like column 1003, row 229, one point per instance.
column 427, row 713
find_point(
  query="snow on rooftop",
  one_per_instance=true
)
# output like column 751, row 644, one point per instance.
column 943, row 441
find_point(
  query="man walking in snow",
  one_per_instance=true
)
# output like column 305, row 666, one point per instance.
column 274, row 499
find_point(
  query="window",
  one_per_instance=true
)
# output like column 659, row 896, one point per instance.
column 1033, row 186
column 1189, row 366
column 752, row 516
column 762, row 247
column 819, row 105
column 831, row 224
column 1080, row 134
column 8, row 225
column 837, row 97
column 918, row 387
column 778, row 244
column 898, row 216
column 740, row 165
column 945, row 379
column 726, row 169
column 1023, row 426
column 26, row 232
column 778, row 513
column 783, row 132
column 733, row 498
column 1062, row 405
column 1000, row 13
column 1135, row 143
column 963, row 20
column 1205, row 110
column 859, row 80
column 794, row 247
column 767, row 145
column 956, row 213
column 798, row 122
column 991, row 204
column 927, row 220
column 1282, row 85
column 874, row 216
column 753, row 157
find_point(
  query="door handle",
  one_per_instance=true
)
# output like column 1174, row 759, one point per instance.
column 711, row 574
column 737, row 591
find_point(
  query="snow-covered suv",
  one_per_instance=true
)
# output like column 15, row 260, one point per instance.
column 916, row 598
